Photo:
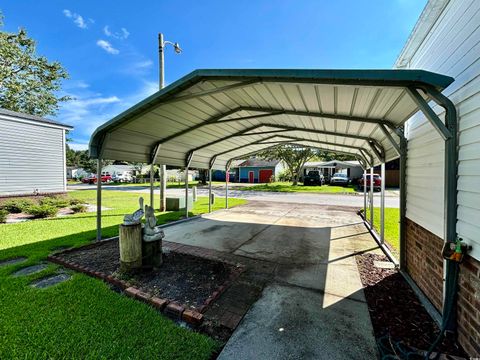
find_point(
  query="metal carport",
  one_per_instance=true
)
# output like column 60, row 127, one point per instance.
column 210, row 117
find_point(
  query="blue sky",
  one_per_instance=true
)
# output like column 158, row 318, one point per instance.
column 109, row 48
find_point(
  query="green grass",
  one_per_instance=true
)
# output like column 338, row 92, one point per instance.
column 288, row 187
column 392, row 227
column 83, row 317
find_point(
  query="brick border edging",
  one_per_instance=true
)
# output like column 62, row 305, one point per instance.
column 166, row 306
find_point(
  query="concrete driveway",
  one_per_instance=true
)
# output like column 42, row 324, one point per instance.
column 313, row 307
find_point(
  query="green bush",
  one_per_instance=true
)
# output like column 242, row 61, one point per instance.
column 79, row 208
column 17, row 206
column 74, row 201
column 42, row 211
column 56, row 201
column 3, row 216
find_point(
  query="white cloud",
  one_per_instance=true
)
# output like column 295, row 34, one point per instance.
column 120, row 35
column 89, row 110
column 105, row 45
column 77, row 19
column 78, row 146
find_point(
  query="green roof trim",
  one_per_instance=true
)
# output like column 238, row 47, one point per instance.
column 387, row 78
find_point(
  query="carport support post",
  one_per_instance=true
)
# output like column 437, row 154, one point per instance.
column 186, row 192
column 99, row 199
column 365, row 193
column 227, row 169
column 209, row 189
column 382, row 204
column 163, row 187
column 151, row 184
column 371, row 197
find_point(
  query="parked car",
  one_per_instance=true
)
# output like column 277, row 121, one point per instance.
column 340, row 179
column 92, row 179
column 313, row 177
column 125, row 176
column 377, row 182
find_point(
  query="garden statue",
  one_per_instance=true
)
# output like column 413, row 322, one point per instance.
column 152, row 240
column 136, row 217
column 151, row 232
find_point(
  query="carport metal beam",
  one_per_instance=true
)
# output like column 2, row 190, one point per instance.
column 262, row 141
column 292, row 128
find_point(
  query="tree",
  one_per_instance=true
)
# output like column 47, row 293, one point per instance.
column 293, row 156
column 29, row 83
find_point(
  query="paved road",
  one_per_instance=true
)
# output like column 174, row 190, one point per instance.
column 314, row 306
column 355, row 199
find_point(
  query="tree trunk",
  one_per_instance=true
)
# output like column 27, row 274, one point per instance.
column 130, row 242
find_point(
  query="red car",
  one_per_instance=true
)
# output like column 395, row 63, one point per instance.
column 93, row 179
column 377, row 182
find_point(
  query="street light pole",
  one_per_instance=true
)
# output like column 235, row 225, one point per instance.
column 161, row 84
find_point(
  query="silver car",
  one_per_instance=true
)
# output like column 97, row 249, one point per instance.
column 339, row 179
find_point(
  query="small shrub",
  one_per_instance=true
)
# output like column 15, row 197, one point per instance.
column 79, row 208
column 74, row 201
column 42, row 211
column 59, row 202
column 3, row 216
column 17, row 206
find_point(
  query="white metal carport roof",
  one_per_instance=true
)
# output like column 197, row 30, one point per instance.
column 212, row 116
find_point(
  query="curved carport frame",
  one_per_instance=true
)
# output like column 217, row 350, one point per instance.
column 210, row 117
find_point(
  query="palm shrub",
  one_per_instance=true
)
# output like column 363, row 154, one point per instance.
column 3, row 216
column 42, row 210
column 56, row 201
column 17, row 205
column 78, row 208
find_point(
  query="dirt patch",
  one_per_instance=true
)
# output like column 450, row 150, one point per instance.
column 396, row 311
column 183, row 278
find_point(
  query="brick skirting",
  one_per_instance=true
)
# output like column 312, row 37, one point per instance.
column 425, row 265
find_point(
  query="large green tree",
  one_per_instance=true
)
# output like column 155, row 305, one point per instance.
column 293, row 156
column 29, row 83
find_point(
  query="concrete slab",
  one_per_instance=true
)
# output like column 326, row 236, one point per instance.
column 224, row 236
column 314, row 306
column 288, row 245
column 291, row 323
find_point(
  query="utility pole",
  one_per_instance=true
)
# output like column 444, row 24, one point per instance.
column 161, row 64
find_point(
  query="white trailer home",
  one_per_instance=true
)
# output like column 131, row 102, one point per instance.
column 446, row 39
column 32, row 155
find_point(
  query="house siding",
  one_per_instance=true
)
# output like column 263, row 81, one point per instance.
column 244, row 170
column 450, row 47
column 32, row 157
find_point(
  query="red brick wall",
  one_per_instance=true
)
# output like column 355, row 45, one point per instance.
column 425, row 266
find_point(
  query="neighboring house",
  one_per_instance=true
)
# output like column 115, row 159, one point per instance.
column 352, row 168
column 258, row 170
column 446, row 40
column 119, row 170
column 219, row 175
column 76, row 173
column 32, row 155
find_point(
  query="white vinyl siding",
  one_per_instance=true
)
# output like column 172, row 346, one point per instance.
column 31, row 157
column 452, row 48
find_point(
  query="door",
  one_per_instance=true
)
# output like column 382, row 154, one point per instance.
column 250, row 177
column 265, row 175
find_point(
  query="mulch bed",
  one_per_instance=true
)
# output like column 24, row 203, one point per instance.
column 182, row 278
column 395, row 310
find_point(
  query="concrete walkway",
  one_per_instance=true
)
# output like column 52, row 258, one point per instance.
column 314, row 306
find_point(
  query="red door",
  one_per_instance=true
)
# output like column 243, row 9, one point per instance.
column 264, row 176
column 250, row 177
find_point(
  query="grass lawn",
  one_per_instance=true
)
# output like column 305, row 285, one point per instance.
column 392, row 226
column 288, row 187
column 170, row 185
column 83, row 317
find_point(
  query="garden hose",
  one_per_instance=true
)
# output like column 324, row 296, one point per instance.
column 396, row 350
